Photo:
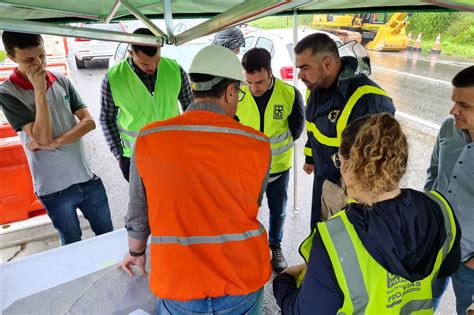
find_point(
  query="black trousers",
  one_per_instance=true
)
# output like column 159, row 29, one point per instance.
column 316, row 201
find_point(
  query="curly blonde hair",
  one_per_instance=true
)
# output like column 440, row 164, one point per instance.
column 375, row 151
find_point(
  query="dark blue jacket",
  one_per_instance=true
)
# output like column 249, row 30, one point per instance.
column 403, row 234
column 324, row 103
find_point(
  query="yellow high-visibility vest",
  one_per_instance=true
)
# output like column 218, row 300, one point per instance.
column 367, row 287
column 276, row 126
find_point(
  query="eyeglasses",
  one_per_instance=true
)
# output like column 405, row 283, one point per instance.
column 241, row 94
column 336, row 160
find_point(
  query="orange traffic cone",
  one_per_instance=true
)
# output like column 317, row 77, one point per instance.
column 417, row 47
column 410, row 42
column 437, row 46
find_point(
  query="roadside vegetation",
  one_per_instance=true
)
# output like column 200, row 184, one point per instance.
column 456, row 29
column 3, row 55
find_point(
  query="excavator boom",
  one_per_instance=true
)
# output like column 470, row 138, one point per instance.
column 392, row 36
column 375, row 31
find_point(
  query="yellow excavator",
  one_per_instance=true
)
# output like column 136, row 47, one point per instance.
column 370, row 29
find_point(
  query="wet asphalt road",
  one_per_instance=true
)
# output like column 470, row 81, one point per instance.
column 420, row 89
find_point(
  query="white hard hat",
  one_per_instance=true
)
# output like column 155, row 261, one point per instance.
column 217, row 61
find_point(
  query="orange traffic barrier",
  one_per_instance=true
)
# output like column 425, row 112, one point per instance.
column 417, row 47
column 410, row 42
column 6, row 131
column 66, row 47
column 436, row 50
column 17, row 198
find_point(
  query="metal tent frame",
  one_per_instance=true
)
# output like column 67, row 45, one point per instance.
column 45, row 18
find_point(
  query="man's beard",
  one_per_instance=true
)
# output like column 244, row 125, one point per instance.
column 317, row 84
column 309, row 85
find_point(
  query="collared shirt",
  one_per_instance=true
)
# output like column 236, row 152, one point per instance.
column 109, row 112
column 451, row 172
column 17, row 78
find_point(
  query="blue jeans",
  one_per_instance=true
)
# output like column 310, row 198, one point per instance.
column 463, row 285
column 277, row 196
column 250, row 304
column 90, row 198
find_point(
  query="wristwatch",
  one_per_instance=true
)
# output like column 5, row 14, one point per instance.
column 135, row 254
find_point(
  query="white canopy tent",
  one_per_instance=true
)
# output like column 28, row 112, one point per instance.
column 39, row 273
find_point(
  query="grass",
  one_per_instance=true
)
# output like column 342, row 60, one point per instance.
column 464, row 2
column 272, row 22
column 449, row 47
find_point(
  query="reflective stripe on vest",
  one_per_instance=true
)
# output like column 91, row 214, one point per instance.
column 416, row 305
column 344, row 117
column 194, row 240
column 137, row 106
column 282, row 139
column 133, row 134
column 308, row 151
column 361, row 278
column 129, row 140
column 448, row 220
column 279, row 107
column 203, row 128
column 346, row 252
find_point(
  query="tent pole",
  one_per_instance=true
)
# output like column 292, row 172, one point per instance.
column 113, row 11
column 238, row 14
column 296, row 209
column 123, row 13
column 140, row 16
column 81, row 32
column 37, row 9
column 285, row 7
column 168, row 15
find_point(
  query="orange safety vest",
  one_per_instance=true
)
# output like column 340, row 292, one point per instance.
column 203, row 174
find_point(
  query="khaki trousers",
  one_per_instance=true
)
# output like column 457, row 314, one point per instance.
column 333, row 199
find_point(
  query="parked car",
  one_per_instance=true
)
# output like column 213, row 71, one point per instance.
column 183, row 54
column 279, row 42
column 86, row 50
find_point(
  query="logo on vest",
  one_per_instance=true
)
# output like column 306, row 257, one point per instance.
column 397, row 287
column 278, row 111
column 332, row 116
column 393, row 280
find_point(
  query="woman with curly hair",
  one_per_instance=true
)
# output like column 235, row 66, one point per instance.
column 380, row 254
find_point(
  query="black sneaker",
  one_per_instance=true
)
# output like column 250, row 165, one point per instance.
column 278, row 260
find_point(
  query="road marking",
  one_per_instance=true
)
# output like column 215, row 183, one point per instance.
column 418, row 120
column 453, row 63
column 413, row 75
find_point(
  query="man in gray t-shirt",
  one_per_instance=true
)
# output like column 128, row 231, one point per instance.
column 43, row 107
